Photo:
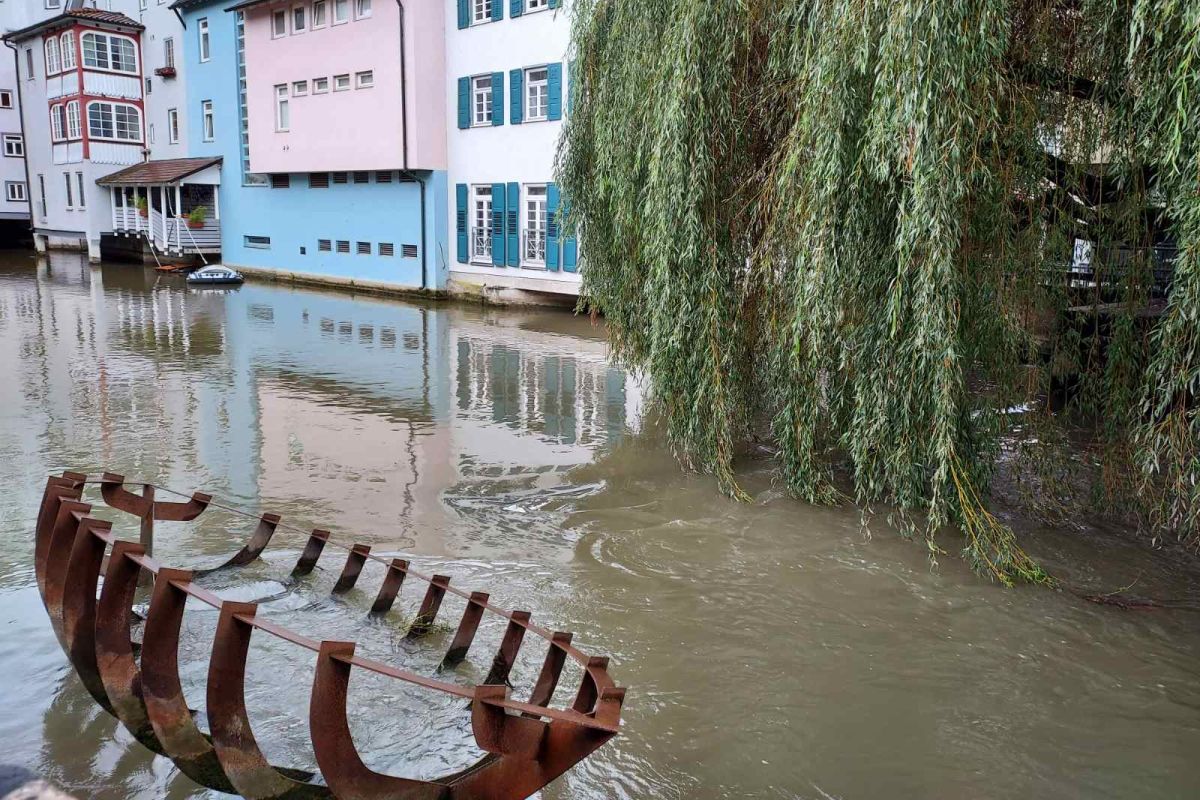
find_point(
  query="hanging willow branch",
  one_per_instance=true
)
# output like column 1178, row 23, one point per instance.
column 851, row 218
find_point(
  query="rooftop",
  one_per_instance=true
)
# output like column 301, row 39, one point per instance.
column 167, row 170
column 83, row 14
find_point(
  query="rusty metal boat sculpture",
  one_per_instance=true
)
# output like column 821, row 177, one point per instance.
column 527, row 743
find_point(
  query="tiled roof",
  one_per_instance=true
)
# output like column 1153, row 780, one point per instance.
column 167, row 170
column 83, row 14
column 96, row 15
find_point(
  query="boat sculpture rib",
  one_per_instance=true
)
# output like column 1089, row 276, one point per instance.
column 527, row 743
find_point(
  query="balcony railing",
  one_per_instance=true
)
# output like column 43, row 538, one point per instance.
column 481, row 243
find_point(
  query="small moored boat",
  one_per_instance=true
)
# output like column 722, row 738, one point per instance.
column 215, row 275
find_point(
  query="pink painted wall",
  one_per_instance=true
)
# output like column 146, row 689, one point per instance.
column 357, row 129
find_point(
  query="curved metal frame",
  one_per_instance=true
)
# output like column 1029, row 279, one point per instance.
column 528, row 743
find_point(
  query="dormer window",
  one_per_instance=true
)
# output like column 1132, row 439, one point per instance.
column 110, row 52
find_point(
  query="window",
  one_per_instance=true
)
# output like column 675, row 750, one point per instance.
column 537, row 94
column 341, row 11
column 299, row 88
column 14, row 145
column 113, row 53
column 362, row 9
column 73, row 126
column 481, row 94
column 148, row 87
column 150, row 133
column 339, row 177
column 283, row 116
column 58, row 123
column 320, row 85
column 299, row 19
column 257, row 242
column 202, row 32
column 341, row 83
column 281, row 180
column 318, row 180
column 82, row 194
column 481, row 11
column 324, row 245
column 408, row 251
column 173, row 125
column 14, row 192
column 52, row 64
column 383, row 177
column 481, row 232
column 362, row 177
column 208, row 130
column 53, row 3
column 343, row 246
column 536, row 5
column 114, row 121
column 6, row 98
column 387, row 249
column 169, row 53
column 364, row 80
column 318, row 14
column 29, row 63
column 533, row 249
column 68, row 50
column 278, row 24
column 70, row 199
column 364, row 248
column 42, row 192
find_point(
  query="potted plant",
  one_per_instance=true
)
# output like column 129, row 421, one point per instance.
column 142, row 207
column 195, row 218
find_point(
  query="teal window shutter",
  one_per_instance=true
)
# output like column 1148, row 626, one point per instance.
column 555, row 3
column 516, row 85
column 464, row 102
column 554, row 86
column 497, row 98
column 516, row 7
column 497, row 10
column 570, row 248
column 498, row 195
column 513, row 224
column 460, row 221
column 464, row 14
column 552, row 227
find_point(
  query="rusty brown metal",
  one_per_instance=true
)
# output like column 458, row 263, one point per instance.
column 528, row 744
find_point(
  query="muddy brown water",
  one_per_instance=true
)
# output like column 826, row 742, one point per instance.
column 771, row 649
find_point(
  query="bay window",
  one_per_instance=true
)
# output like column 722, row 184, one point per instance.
column 73, row 127
column 68, row 50
column 52, row 63
column 109, row 52
column 118, row 122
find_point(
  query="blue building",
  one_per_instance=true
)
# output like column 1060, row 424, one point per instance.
column 359, row 199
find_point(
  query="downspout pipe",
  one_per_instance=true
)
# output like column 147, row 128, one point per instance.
column 404, row 148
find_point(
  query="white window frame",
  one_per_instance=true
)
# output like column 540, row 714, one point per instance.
column 82, row 204
column 109, row 39
column 74, row 121
column 299, row 88
column 481, row 212
column 58, row 123
column 362, row 9
column 6, row 98
column 536, row 5
column 14, row 145
column 205, row 42
column 338, row 83
column 67, row 48
column 208, row 125
column 283, row 111
column 29, row 64
column 173, row 125
column 112, row 106
column 277, row 15
column 364, row 79
column 318, row 83
column 12, row 188
column 536, row 101
column 303, row 9
column 70, row 191
column 481, row 11
column 312, row 14
column 481, row 105
column 169, row 52
column 53, row 65
column 533, row 223
column 344, row 7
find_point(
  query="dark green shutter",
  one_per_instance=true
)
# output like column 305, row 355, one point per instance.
column 460, row 221
column 552, row 227
column 516, row 8
column 516, row 84
column 513, row 224
column 497, row 98
column 569, row 247
column 464, row 14
column 464, row 102
column 498, row 225
column 497, row 10
column 555, row 3
column 554, row 85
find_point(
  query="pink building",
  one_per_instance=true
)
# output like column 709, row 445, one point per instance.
column 345, row 85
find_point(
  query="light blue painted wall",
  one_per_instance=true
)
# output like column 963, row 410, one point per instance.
column 298, row 216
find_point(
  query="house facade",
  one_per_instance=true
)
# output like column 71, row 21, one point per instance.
column 333, row 144
column 507, row 78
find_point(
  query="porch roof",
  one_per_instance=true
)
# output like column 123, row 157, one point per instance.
column 157, row 173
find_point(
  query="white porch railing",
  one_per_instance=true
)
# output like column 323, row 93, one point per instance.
column 482, row 239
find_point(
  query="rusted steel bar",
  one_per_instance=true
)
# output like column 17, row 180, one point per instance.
column 57, row 488
column 510, row 645
column 432, row 601
column 112, row 489
column 547, row 681
column 79, row 606
column 390, row 587
column 352, row 569
column 467, row 627
column 267, row 524
column 58, row 556
column 594, row 683
column 312, row 551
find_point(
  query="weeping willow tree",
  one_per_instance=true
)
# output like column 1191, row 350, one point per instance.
column 849, row 220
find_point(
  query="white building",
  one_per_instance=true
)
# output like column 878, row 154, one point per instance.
column 100, row 89
column 507, row 80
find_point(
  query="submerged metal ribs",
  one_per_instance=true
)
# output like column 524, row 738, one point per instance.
column 528, row 743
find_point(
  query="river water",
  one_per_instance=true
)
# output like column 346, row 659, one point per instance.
column 771, row 649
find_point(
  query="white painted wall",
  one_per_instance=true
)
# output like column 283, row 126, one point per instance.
column 165, row 93
column 506, row 153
